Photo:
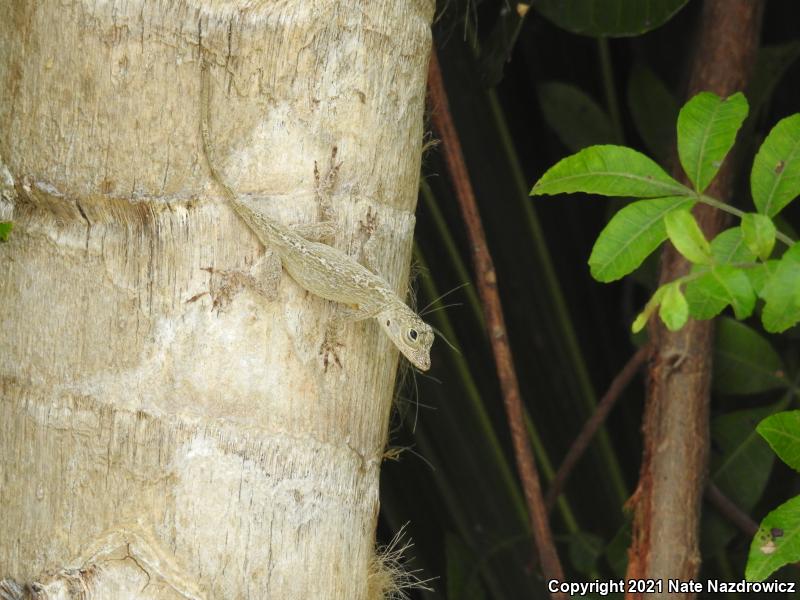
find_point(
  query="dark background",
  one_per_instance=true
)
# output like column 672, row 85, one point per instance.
column 455, row 488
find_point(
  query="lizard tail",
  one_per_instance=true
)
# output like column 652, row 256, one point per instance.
column 205, row 110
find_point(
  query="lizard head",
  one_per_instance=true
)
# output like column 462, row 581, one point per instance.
column 412, row 336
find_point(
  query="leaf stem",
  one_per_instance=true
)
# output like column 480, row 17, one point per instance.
column 738, row 213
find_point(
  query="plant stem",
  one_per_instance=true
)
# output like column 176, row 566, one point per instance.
column 739, row 213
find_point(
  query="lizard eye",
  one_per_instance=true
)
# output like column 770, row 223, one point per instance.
column 412, row 334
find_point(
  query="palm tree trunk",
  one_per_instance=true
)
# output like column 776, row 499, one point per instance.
column 162, row 447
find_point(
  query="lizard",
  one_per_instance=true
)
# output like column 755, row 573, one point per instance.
column 324, row 270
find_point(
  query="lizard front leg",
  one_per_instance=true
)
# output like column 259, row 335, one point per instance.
column 322, row 231
column 329, row 351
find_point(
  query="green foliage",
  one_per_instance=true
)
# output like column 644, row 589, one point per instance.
column 5, row 230
column 631, row 235
column 780, row 293
column 707, row 127
column 744, row 361
column 674, row 310
column 574, row 116
column 775, row 178
column 758, row 232
column 741, row 463
column 735, row 267
column 733, row 270
column 685, row 234
column 614, row 18
column 777, row 542
column 781, row 433
column 609, row 171
column 650, row 308
column 729, row 248
column 718, row 287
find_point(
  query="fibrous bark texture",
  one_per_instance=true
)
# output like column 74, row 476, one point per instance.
column 149, row 446
column 676, row 431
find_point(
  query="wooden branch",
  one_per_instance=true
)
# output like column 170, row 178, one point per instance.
column 730, row 511
column 581, row 443
column 495, row 323
column 676, row 431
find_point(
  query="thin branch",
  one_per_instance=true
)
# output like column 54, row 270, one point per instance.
column 730, row 511
column 495, row 323
column 581, row 443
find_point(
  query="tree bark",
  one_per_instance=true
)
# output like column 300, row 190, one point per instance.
column 149, row 446
column 668, row 499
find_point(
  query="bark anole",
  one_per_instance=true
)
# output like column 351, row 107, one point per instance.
column 326, row 271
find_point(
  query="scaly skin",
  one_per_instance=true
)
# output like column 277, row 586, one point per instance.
column 328, row 272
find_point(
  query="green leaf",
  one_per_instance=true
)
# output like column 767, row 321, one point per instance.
column 5, row 230
column 649, row 309
column 631, row 235
column 654, row 110
column 609, row 171
column 781, row 293
column 729, row 247
column 744, row 361
column 707, row 127
column 758, row 232
column 761, row 274
column 687, row 237
column 775, row 178
column 674, row 310
column 710, row 293
column 782, row 432
column 574, row 116
column 612, row 18
column 777, row 542
column 740, row 466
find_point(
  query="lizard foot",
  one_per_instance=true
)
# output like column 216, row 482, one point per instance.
column 264, row 279
column 224, row 285
column 324, row 185
column 329, row 351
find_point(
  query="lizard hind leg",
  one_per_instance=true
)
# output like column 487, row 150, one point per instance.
column 263, row 278
column 324, row 185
